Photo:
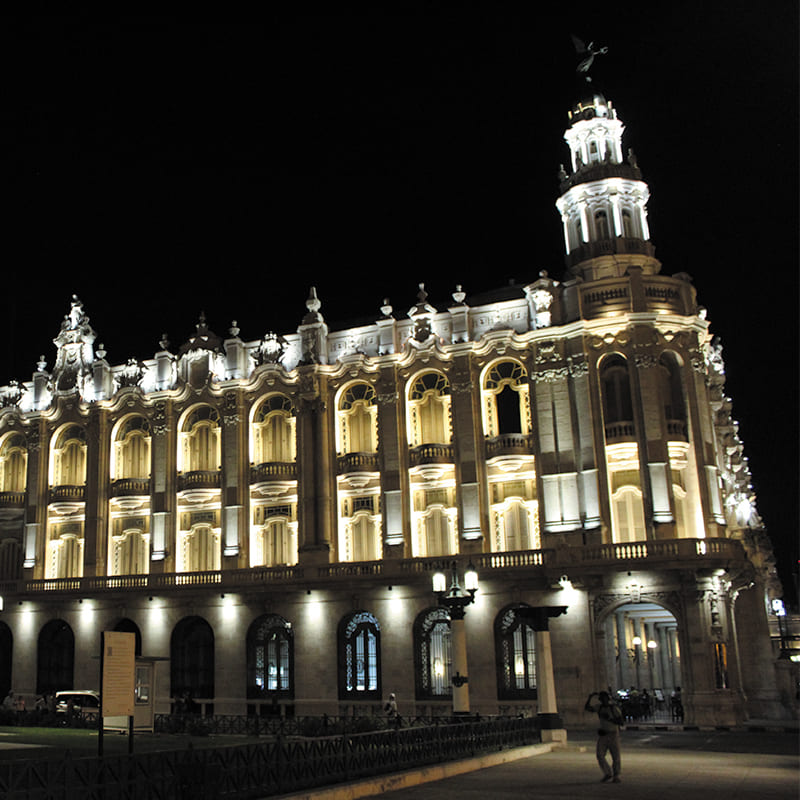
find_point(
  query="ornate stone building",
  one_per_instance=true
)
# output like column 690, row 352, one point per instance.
column 266, row 515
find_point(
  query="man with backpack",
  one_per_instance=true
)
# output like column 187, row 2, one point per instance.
column 610, row 720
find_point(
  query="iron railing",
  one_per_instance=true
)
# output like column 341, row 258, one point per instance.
column 259, row 770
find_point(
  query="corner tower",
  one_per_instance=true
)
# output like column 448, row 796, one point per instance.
column 603, row 202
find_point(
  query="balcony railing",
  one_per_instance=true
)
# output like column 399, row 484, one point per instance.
column 12, row 499
column 677, row 431
column 60, row 494
column 550, row 562
column 199, row 479
column 273, row 471
column 509, row 444
column 130, row 487
column 357, row 462
column 431, row 454
column 617, row 432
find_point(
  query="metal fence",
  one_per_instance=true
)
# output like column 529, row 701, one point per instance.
column 281, row 765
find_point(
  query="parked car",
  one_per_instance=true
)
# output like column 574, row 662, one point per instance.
column 85, row 704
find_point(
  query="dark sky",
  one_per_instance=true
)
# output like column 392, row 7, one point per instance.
column 159, row 169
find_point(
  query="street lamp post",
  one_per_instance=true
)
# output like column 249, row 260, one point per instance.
column 456, row 599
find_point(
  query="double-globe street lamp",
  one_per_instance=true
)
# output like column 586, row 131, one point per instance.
column 456, row 599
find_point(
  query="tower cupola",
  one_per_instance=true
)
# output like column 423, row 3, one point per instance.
column 603, row 202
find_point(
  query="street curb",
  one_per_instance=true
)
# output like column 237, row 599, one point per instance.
column 402, row 780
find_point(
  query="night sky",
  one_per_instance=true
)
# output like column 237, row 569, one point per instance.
column 160, row 169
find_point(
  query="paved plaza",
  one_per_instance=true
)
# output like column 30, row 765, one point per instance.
column 734, row 765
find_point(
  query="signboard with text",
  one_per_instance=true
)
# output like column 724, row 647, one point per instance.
column 119, row 670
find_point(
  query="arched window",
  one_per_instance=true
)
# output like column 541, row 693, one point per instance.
column 433, row 654
column 506, row 404
column 68, row 458
column 628, row 514
column 628, row 228
column 130, row 552
column 192, row 659
column 132, row 449
column 515, row 653
column 66, row 556
column 616, row 391
column 359, row 646
column 13, row 463
column 437, row 529
column 55, row 658
column 200, row 441
column 270, row 658
column 358, row 419
column 200, row 550
column 601, row 225
column 274, row 432
column 277, row 542
column 518, row 526
column 670, row 386
column 429, row 410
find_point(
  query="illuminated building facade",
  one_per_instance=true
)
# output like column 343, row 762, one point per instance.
column 267, row 515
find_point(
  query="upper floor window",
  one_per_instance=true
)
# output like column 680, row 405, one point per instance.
column 200, row 442
column 358, row 419
column 671, row 389
column 616, row 390
column 13, row 463
column 131, row 450
column 601, row 225
column 68, row 457
column 359, row 646
column 274, row 431
column 429, row 410
column 506, row 404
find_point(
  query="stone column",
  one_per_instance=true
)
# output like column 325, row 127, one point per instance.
column 37, row 487
column 393, row 459
column 95, row 532
column 550, row 722
column 235, row 489
column 164, row 456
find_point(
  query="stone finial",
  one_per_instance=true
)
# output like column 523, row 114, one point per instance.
column 458, row 295
column 386, row 308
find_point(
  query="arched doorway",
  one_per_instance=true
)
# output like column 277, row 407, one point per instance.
column 55, row 658
column 643, row 660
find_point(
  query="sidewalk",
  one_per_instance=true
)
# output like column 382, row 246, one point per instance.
column 655, row 766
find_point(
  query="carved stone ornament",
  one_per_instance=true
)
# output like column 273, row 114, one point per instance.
column 551, row 375
column 131, row 374
column 272, row 349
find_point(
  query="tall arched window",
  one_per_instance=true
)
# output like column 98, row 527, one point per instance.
column 270, row 658
column 515, row 649
column 505, row 397
column 601, row 225
column 130, row 552
column 200, row 549
column 55, row 658
column 359, row 646
column 616, row 391
column 200, row 441
column 274, row 432
column 429, row 410
column 670, row 387
column 517, row 525
column 437, row 529
column 192, row 659
column 13, row 463
column 358, row 419
column 132, row 449
column 628, row 514
column 433, row 654
column 278, row 542
column 68, row 458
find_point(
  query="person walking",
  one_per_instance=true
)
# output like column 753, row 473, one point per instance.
column 391, row 710
column 610, row 720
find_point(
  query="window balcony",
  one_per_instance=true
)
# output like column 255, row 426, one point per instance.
column 130, row 487
column 11, row 500
column 677, row 430
column 67, row 494
column 273, row 471
column 199, row 479
column 357, row 462
column 509, row 444
column 431, row 454
column 618, row 432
